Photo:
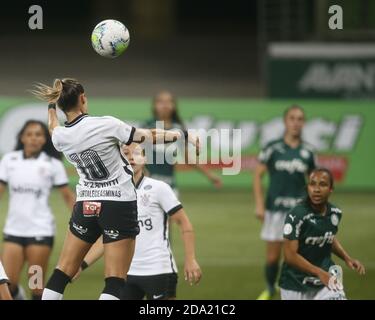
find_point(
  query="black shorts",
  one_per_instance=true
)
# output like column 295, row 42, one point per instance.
column 157, row 287
column 115, row 220
column 26, row 241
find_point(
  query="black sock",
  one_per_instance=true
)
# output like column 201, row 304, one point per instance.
column 58, row 281
column 36, row 297
column 271, row 271
column 13, row 291
column 114, row 286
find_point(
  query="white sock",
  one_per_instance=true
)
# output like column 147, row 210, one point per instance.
column 20, row 294
column 49, row 294
column 106, row 296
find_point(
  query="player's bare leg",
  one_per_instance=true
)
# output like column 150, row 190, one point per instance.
column 72, row 254
column 117, row 258
column 13, row 259
column 71, row 257
column 38, row 255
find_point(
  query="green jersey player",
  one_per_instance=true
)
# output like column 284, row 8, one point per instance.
column 164, row 109
column 310, row 238
column 287, row 162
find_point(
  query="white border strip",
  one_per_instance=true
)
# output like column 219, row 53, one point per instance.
column 321, row 50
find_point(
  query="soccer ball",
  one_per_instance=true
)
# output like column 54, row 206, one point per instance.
column 110, row 38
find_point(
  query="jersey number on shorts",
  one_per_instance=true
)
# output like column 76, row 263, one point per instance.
column 90, row 165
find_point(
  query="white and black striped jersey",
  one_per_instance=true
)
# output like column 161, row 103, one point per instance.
column 92, row 145
column 30, row 181
column 156, row 203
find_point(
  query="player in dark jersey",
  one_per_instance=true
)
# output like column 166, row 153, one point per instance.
column 164, row 108
column 287, row 162
column 310, row 229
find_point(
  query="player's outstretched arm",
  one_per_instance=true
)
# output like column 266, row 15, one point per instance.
column 340, row 252
column 68, row 196
column 214, row 179
column 192, row 270
column 2, row 189
column 260, row 170
column 157, row 136
column 53, row 121
column 211, row 176
column 160, row 136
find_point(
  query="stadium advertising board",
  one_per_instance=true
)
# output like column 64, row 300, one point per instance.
column 341, row 132
column 321, row 71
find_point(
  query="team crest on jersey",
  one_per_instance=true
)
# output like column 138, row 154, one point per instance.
column 148, row 187
column 304, row 153
column 335, row 219
column 288, row 229
column 145, row 199
column 91, row 209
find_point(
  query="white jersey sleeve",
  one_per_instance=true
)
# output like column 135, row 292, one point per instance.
column 56, row 140
column 121, row 130
column 3, row 170
column 60, row 177
column 3, row 276
column 113, row 127
column 167, row 199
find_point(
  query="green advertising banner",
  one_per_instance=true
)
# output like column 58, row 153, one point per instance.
column 342, row 132
column 321, row 71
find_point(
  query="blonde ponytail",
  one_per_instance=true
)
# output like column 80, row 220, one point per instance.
column 47, row 93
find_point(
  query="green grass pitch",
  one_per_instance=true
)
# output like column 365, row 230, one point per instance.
column 228, row 246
